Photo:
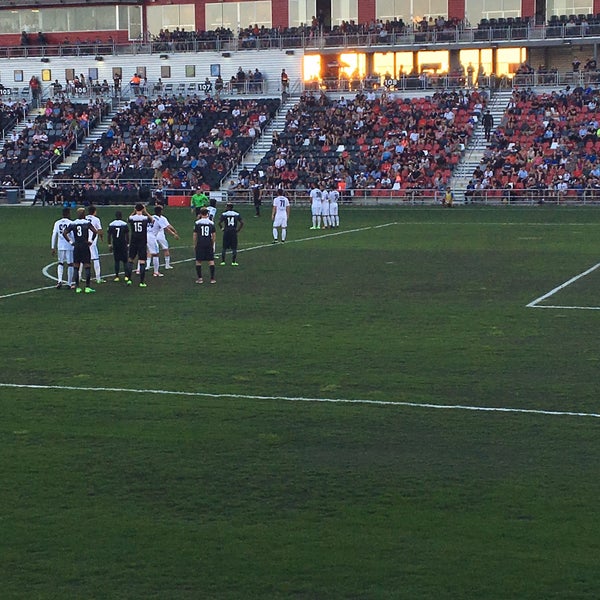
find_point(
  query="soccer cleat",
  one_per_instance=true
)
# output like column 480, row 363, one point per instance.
column 128, row 281
column 158, row 274
column 169, row 267
column 213, row 281
column 137, row 271
column 100, row 280
column 274, row 241
column 313, row 227
column 59, row 285
column 143, row 284
column 223, row 263
column 234, row 264
column 73, row 286
column 200, row 280
column 116, row 279
column 89, row 290
column 78, row 290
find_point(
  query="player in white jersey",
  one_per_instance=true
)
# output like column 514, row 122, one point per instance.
column 161, row 238
column 156, row 230
column 64, row 249
column 212, row 209
column 315, row 206
column 280, row 215
column 334, row 215
column 95, row 255
column 325, row 207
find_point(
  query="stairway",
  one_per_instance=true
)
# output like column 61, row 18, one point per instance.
column 263, row 143
column 477, row 144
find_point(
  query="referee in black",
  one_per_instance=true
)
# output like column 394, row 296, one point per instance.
column 231, row 224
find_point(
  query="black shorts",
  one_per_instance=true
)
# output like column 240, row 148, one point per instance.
column 81, row 254
column 120, row 254
column 230, row 240
column 138, row 248
column 205, row 253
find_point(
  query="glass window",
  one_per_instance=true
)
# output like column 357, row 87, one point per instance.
column 236, row 15
column 301, row 12
column 8, row 22
column 170, row 17
column 476, row 10
column 569, row 7
column 344, row 10
column 54, row 19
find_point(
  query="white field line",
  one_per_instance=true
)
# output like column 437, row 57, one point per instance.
column 529, row 411
column 534, row 303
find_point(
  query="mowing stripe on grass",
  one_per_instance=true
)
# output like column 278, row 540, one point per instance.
column 534, row 303
column 500, row 409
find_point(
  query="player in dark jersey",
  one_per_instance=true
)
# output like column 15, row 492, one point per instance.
column 118, row 241
column 80, row 228
column 231, row 223
column 138, row 242
column 204, row 244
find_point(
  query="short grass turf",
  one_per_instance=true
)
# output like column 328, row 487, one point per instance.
column 240, row 491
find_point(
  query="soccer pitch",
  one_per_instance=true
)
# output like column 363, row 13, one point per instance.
column 378, row 411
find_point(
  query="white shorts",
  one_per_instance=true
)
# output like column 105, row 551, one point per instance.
column 315, row 208
column 66, row 256
column 152, row 245
column 94, row 251
column 280, row 220
column 333, row 210
column 162, row 241
column 325, row 211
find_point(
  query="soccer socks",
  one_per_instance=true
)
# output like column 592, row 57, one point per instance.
column 212, row 271
column 274, row 233
column 88, row 275
column 59, row 272
column 167, row 261
column 283, row 234
column 155, row 263
column 97, row 269
column 142, row 272
column 199, row 271
column 117, row 265
column 128, row 269
column 314, row 221
column 70, row 271
column 318, row 222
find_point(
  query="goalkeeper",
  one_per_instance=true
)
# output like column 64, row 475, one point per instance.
column 199, row 200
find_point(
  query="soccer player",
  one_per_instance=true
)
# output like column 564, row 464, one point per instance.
column 334, row 211
column 204, row 245
column 81, row 229
column 95, row 221
column 315, row 206
column 157, row 238
column 231, row 223
column 118, row 240
column 138, row 246
column 64, row 248
column 325, row 206
column 280, row 215
column 212, row 209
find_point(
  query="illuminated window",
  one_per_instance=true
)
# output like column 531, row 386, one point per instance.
column 238, row 15
column 301, row 12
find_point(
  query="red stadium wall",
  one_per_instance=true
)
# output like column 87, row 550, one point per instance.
column 456, row 9
column 366, row 11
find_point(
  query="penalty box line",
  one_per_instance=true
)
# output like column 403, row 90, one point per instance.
column 535, row 303
column 492, row 409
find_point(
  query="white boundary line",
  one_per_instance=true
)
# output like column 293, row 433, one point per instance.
column 534, row 303
column 529, row 411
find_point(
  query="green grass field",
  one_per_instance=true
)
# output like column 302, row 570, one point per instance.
column 276, row 435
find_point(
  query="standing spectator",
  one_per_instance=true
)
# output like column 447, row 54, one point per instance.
column 64, row 248
column 204, row 245
column 280, row 215
column 488, row 124
column 118, row 240
column 135, row 83
column 285, row 82
column 36, row 89
column 117, row 83
column 231, row 223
